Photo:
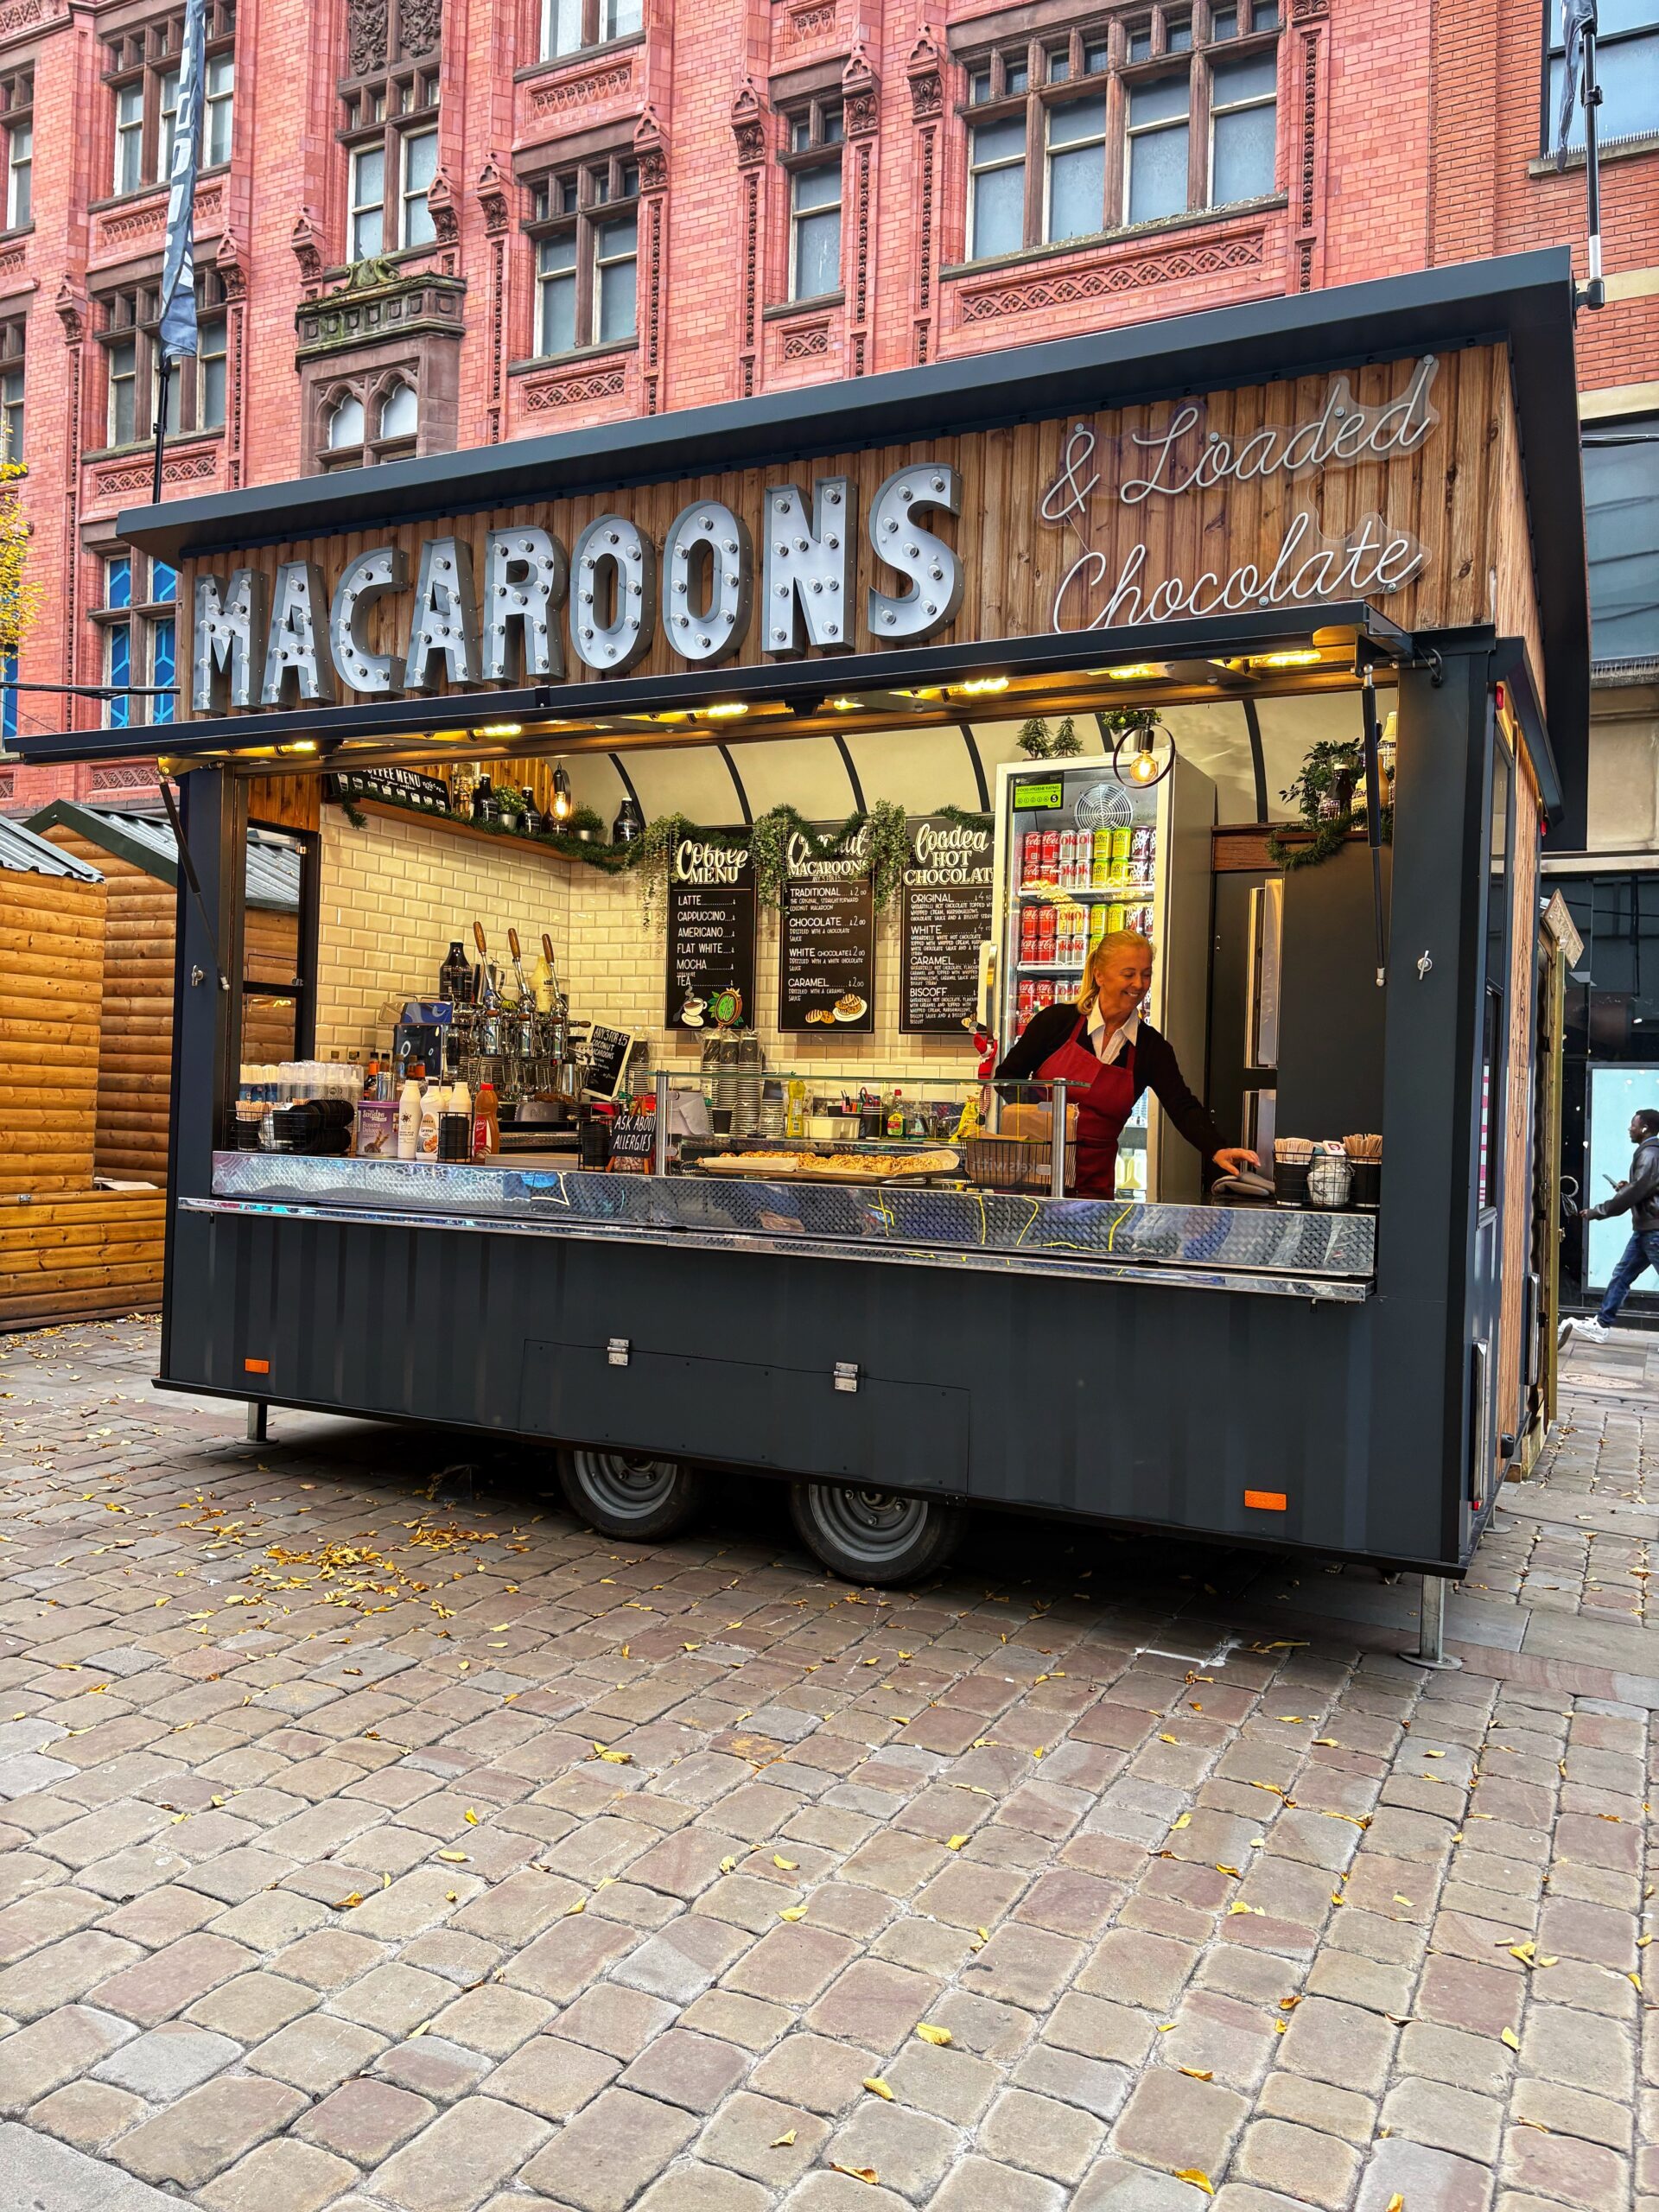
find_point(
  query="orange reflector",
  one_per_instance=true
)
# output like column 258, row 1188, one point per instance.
column 1266, row 1501
column 262, row 1367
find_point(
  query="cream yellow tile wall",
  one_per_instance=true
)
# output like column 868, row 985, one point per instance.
column 395, row 893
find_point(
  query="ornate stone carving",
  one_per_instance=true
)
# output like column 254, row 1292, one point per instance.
column 377, row 302
column 441, row 205
column 71, row 304
column 138, row 476
column 366, row 35
column 650, row 152
column 749, row 125
column 137, row 222
column 495, row 194
column 306, row 239
column 420, row 25
column 861, row 94
column 232, row 267
column 612, row 81
column 806, row 342
column 926, row 70
column 567, row 391
column 21, row 17
column 801, row 25
column 1033, row 294
column 11, row 263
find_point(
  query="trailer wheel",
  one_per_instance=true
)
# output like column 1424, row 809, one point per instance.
column 874, row 1535
column 629, row 1494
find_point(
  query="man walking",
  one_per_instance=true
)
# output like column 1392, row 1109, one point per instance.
column 1639, row 1196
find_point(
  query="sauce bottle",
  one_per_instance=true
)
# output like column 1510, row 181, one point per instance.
column 486, row 1123
column 409, row 1114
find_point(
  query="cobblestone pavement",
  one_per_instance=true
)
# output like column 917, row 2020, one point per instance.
column 375, row 1836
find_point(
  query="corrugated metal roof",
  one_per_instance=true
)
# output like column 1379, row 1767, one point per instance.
column 23, row 853
column 148, row 842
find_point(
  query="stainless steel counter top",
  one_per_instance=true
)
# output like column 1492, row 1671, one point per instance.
column 1256, row 1248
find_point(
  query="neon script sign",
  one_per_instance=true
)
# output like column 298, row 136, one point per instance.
column 1375, row 555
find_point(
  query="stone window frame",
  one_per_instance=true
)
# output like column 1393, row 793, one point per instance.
column 616, row 167
column 146, row 619
column 1611, row 48
column 14, row 397
column 813, row 127
column 142, row 55
column 371, row 388
column 594, row 39
column 130, row 311
column 16, row 114
column 393, row 101
column 1046, row 56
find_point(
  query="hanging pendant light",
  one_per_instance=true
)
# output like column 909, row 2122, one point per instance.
column 563, row 804
column 1143, row 769
column 629, row 824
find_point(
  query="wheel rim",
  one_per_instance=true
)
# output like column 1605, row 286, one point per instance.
column 625, row 1483
column 875, row 1526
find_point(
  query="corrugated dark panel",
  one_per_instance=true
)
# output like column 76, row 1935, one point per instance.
column 23, row 853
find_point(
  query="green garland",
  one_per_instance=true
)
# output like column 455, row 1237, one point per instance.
column 1332, row 768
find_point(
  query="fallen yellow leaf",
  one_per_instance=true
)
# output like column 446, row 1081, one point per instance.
column 1168, row 1739
column 955, row 1842
column 578, row 1906
column 1198, row 2073
column 789, row 1866
column 793, row 1912
column 782, row 2142
column 1397, row 2202
column 1510, row 2037
column 454, row 1858
column 928, row 2033
column 346, row 1904
column 471, row 1818
column 857, row 2173
column 877, row 2086
column 728, row 1866
column 1199, row 2180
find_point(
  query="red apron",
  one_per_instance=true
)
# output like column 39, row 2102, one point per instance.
column 1104, row 1097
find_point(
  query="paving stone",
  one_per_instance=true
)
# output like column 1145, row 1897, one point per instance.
column 155, row 1988
column 366, row 2120
column 832, row 2192
column 1305, row 2165
column 208, row 2129
column 1448, row 2118
column 1024, row 1966
column 1565, row 2167
column 601, row 2160
column 682, row 1962
column 1023, row 2129
column 1342, row 2044
column 611, row 2019
column 391, row 2000
column 1097, row 2086
column 873, row 2004
column 163, row 2063
column 281, row 2176
column 554, row 2077
column 1131, row 1968
column 792, row 1964
column 35, row 2059
column 252, row 2006
column 433, row 2067
column 977, row 2184
column 453, row 2164
column 40, row 2173
column 1574, row 2112
column 697, row 2188
column 1425, row 2179
column 684, row 2068
column 1171, row 2121
column 909, row 2151
column 89, row 2114
column 317, row 2053
column 493, row 2020
column 1113, row 2185
column 817, row 2071
column 1578, row 2049
column 62, row 1973
column 745, row 2135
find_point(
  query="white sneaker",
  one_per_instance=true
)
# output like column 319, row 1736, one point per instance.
column 1595, row 1331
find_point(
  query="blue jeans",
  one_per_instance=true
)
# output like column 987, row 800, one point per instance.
column 1641, row 1251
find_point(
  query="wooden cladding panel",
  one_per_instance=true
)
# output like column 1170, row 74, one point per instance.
column 51, row 981
column 285, row 801
column 1443, row 494
column 92, row 1252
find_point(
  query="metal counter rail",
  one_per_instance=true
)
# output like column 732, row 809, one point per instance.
column 1326, row 1256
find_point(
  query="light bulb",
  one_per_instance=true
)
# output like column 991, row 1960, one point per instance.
column 561, row 799
column 1143, row 769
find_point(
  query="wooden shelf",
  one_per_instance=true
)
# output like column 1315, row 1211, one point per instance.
column 451, row 827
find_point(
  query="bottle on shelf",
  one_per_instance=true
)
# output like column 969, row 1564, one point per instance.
column 432, row 1100
column 409, row 1114
column 486, row 1123
column 896, row 1114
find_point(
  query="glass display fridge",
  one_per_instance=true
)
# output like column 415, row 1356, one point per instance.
column 1079, row 854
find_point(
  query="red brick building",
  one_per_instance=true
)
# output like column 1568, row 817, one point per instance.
column 424, row 224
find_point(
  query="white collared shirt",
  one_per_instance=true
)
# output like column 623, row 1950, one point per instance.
column 1109, row 1049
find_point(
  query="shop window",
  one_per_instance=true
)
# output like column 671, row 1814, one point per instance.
column 389, row 127
column 1627, row 70
column 13, row 338
column 368, row 421
column 141, row 67
column 585, row 222
column 195, row 388
column 139, row 622
column 1051, row 157
column 1621, row 507
column 814, row 133
column 17, row 139
column 571, row 26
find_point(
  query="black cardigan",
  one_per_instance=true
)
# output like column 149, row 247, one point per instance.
column 1155, row 1070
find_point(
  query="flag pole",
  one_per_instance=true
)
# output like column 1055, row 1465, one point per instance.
column 1594, row 293
column 162, row 376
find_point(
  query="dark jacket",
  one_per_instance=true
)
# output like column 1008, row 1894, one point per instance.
column 1639, row 1196
column 1156, row 1069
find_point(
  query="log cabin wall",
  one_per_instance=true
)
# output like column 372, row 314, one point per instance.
column 51, row 986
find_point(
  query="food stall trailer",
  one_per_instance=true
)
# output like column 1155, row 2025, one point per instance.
column 1367, row 500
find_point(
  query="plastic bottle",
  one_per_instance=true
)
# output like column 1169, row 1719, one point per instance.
column 431, row 1107
column 896, row 1114
column 409, row 1114
column 486, row 1124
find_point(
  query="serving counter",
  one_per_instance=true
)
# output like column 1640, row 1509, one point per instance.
column 1272, row 1251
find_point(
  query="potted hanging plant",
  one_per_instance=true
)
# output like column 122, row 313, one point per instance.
column 1324, row 795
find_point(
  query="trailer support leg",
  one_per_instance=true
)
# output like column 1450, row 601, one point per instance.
column 258, row 1412
column 1431, row 1650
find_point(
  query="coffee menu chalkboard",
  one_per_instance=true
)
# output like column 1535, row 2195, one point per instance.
column 710, row 931
column 826, row 955
column 944, row 918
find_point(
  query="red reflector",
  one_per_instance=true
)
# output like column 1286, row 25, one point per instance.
column 256, row 1367
column 1266, row 1501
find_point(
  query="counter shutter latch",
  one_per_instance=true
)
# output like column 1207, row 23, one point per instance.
column 617, row 1351
column 846, row 1375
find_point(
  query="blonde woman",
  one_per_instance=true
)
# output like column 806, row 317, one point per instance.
column 1108, row 1055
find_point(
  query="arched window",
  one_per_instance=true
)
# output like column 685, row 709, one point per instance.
column 345, row 424
column 399, row 412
